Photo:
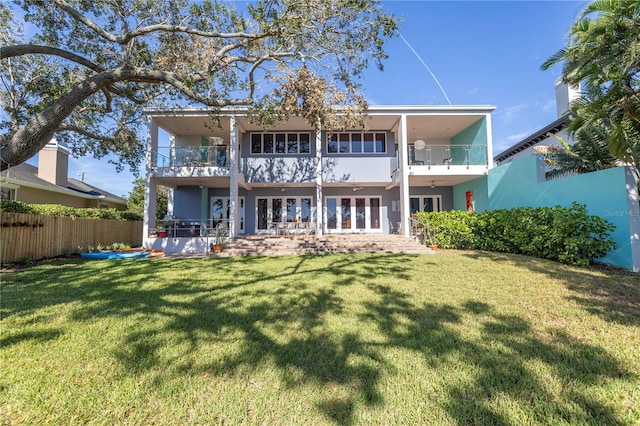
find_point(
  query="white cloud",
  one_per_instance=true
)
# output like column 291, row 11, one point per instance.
column 502, row 142
column 517, row 137
column 510, row 113
column 549, row 106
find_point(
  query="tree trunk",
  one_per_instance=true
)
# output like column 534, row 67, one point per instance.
column 39, row 130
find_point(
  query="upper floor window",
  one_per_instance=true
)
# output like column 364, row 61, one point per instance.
column 280, row 143
column 357, row 143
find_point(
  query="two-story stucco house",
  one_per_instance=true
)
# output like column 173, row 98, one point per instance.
column 295, row 179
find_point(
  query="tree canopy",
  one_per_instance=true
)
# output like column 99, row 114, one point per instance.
column 603, row 56
column 91, row 68
column 588, row 154
column 135, row 200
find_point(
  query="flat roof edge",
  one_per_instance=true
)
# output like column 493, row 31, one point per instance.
column 532, row 139
column 395, row 109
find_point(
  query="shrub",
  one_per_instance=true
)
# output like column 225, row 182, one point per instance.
column 567, row 234
column 454, row 229
column 129, row 215
column 72, row 252
column 23, row 261
column 59, row 210
column 119, row 246
column 15, row 207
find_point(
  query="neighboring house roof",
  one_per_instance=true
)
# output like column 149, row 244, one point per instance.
column 534, row 139
column 27, row 175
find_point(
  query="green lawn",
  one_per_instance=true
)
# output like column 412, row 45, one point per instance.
column 452, row 338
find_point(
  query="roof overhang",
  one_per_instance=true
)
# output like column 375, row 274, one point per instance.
column 8, row 182
column 423, row 121
column 534, row 139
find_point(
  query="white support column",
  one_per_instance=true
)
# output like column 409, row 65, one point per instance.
column 150, row 187
column 489, row 141
column 403, row 163
column 234, row 149
column 319, row 201
column 172, row 157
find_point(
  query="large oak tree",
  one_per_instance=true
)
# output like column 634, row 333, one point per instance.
column 92, row 67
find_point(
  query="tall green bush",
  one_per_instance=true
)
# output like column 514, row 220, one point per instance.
column 454, row 229
column 567, row 234
column 15, row 207
column 59, row 210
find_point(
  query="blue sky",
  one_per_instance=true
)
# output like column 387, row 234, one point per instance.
column 481, row 52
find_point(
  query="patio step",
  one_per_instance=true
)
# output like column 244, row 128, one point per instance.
column 256, row 245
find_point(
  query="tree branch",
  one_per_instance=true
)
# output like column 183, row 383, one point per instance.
column 35, row 134
column 88, row 22
column 126, row 37
column 85, row 132
column 27, row 49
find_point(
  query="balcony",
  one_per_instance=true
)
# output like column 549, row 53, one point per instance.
column 190, row 156
column 438, row 158
column 190, row 161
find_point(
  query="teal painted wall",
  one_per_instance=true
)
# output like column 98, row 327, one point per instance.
column 476, row 134
column 480, row 195
column 604, row 193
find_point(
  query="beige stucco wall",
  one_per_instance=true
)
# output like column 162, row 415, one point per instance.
column 39, row 196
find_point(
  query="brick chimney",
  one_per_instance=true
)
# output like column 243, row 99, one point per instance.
column 53, row 163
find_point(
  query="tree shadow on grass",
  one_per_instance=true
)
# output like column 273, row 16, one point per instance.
column 612, row 294
column 36, row 335
column 280, row 317
column 501, row 359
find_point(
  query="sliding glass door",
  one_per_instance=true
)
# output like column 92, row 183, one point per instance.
column 352, row 214
column 273, row 210
column 220, row 211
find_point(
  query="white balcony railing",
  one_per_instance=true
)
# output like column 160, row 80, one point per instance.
column 444, row 156
column 191, row 156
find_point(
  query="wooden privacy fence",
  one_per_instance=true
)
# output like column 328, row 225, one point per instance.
column 38, row 237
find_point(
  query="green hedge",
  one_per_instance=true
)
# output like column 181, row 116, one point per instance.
column 567, row 234
column 454, row 229
column 58, row 210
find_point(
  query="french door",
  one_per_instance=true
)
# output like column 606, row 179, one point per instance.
column 220, row 211
column 352, row 214
column 425, row 203
column 270, row 210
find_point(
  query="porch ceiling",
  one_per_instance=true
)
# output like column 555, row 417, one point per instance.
column 209, row 182
column 194, row 125
column 427, row 127
column 434, row 126
column 440, row 180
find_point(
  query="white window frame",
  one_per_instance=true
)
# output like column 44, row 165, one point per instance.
column 437, row 201
column 225, row 201
column 353, row 229
column 283, row 215
column 339, row 135
column 286, row 143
